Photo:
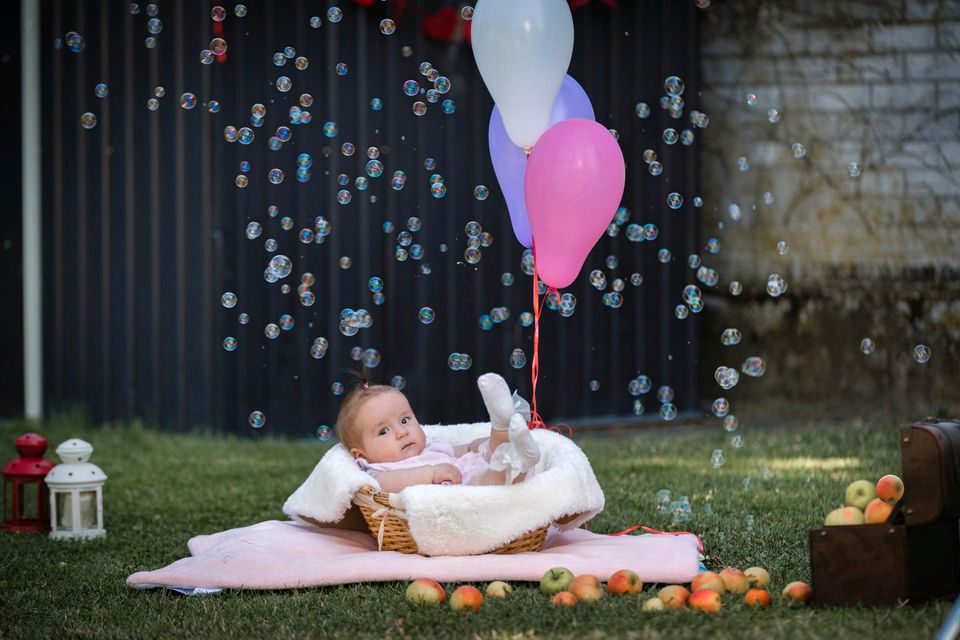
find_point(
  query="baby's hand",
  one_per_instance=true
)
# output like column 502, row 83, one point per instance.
column 445, row 473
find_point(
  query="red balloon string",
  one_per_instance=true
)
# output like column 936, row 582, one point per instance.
column 656, row 531
column 536, row 422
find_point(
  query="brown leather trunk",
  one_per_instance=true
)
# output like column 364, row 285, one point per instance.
column 913, row 557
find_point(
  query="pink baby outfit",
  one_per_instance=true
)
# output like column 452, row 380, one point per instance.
column 471, row 464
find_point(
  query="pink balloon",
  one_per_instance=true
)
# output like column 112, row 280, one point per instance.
column 573, row 185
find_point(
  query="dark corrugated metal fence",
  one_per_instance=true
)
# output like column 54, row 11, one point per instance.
column 146, row 227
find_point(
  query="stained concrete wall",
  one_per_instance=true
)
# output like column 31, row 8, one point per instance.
column 875, row 255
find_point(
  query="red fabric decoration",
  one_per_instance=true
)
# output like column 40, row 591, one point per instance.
column 442, row 25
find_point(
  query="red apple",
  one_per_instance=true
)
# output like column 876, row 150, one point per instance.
column 674, row 596
column 797, row 593
column 466, row 598
column 843, row 516
column 757, row 598
column 706, row 600
column 890, row 489
column 564, row 599
column 877, row 511
column 425, row 591
column 734, row 580
column 708, row 580
column 586, row 588
column 624, row 582
column 757, row 577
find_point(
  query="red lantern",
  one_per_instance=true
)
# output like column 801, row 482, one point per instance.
column 26, row 501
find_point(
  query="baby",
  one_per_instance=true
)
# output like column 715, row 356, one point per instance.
column 378, row 427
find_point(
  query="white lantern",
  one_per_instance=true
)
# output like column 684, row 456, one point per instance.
column 76, row 493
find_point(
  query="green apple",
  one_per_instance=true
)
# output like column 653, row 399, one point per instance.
column 844, row 516
column 860, row 493
column 556, row 580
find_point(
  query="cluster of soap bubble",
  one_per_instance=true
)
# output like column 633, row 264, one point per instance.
column 441, row 85
column 754, row 366
column 459, row 361
column 319, row 348
column 477, row 238
column 639, row 385
column 726, row 377
column 352, row 321
column 370, row 357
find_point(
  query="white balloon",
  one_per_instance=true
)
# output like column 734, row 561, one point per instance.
column 523, row 49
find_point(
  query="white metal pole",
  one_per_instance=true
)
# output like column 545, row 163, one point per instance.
column 32, row 214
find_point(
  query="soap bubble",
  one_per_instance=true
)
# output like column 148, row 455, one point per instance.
column 218, row 46
column 720, row 407
column 228, row 300
column 481, row 192
column 419, row 108
column 670, row 136
column 342, row 69
column 286, row 322
column 754, row 366
column 743, row 164
column 642, row 110
column 240, row 10
column 371, row 358
column 213, row 106
column 773, row 115
column 188, row 101
column 154, row 26
column 783, row 248
column 681, row 311
column 735, row 287
column 921, row 353
column 442, row 85
column 674, row 200
column 398, row 382
column 668, row 411
column 284, row 84
column 334, row 14
column 776, row 285
column 518, row 359
column 751, row 99
column 229, row 344
column 799, row 151
column 594, row 385
column 637, row 407
column 664, row 255
column 330, row 129
column 301, row 63
column 376, row 104
column 101, row 90
column 88, row 120
column 717, row 459
column 730, row 337
column 271, row 331
column 257, row 419
column 726, row 377
column 673, row 85
column 426, row 315
column 275, row 176
column 712, row 246
column 344, row 197
column 735, row 213
column 345, row 262
column 241, row 181
column 387, row 26
column 867, row 346
column 375, row 284
column 254, row 229
column 665, row 394
column 506, row 279
column 315, row 22
column 731, row 423
column 655, row 168
column 337, row 388
column 467, row 13
column 854, row 169
column 281, row 266
column 218, row 13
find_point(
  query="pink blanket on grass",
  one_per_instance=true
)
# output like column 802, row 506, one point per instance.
column 284, row 555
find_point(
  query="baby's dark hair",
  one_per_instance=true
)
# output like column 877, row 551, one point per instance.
column 362, row 391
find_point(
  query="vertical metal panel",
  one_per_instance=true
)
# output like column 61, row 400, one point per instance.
column 148, row 227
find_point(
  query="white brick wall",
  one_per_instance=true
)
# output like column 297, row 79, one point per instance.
column 877, row 83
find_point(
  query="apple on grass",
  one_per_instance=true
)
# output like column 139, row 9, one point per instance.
column 466, row 598
column 797, row 593
column 674, row 596
column 706, row 600
column 734, row 580
column 425, row 591
column 859, row 494
column 757, row 577
column 624, row 582
column 844, row 516
column 564, row 599
column 586, row 588
column 498, row 589
column 708, row 580
column 654, row 604
column 757, row 598
column 890, row 489
column 556, row 580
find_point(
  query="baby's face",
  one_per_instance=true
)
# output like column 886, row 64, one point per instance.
column 388, row 429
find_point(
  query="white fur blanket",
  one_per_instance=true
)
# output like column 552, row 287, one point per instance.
column 464, row 520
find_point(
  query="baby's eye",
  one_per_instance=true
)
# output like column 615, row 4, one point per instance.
column 405, row 421
column 383, row 431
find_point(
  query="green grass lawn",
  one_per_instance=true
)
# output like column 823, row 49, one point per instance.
column 163, row 489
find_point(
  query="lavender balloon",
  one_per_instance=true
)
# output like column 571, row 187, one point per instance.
column 510, row 162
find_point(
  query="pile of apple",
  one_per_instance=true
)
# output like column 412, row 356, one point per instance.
column 703, row 595
column 567, row 590
column 866, row 503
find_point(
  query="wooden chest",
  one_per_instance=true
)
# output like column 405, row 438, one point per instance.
column 915, row 556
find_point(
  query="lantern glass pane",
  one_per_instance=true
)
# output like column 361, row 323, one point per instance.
column 28, row 500
column 64, row 510
column 88, row 509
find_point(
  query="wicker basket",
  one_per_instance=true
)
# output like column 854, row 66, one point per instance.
column 389, row 526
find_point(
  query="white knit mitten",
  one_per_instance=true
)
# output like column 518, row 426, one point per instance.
column 496, row 396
